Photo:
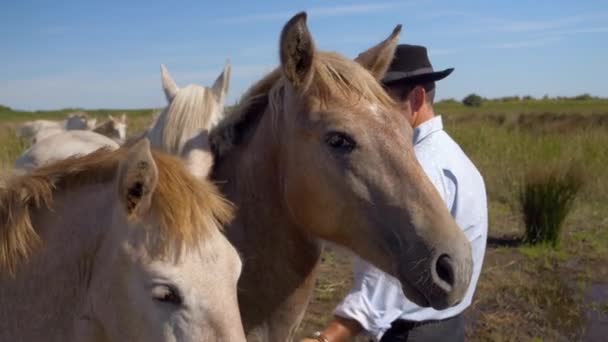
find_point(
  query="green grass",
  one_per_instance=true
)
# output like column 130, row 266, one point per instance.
column 546, row 198
column 554, row 106
column 11, row 146
column 10, row 115
column 524, row 293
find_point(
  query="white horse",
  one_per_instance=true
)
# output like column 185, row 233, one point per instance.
column 61, row 146
column 190, row 110
column 114, row 128
column 39, row 129
column 118, row 245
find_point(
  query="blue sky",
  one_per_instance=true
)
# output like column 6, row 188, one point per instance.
column 106, row 54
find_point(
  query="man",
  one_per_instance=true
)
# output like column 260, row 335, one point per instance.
column 376, row 303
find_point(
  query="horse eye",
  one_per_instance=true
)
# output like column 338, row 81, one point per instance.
column 167, row 294
column 341, row 142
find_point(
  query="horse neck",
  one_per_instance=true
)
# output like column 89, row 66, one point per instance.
column 55, row 278
column 280, row 259
column 178, row 124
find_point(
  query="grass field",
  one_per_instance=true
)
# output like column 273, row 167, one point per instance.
column 524, row 293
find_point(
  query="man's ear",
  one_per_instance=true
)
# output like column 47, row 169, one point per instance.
column 417, row 98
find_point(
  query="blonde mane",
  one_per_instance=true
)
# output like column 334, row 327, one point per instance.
column 189, row 112
column 336, row 79
column 187, row 208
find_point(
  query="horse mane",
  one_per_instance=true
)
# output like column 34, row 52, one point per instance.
column 188, row 209
column 335, row 77
column 191, row 110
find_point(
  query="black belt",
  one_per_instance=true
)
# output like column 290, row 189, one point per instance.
column 403, row 325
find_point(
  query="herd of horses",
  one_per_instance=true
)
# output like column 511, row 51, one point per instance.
column 210, row 228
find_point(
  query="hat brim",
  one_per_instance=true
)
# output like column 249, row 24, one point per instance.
column 402, row 77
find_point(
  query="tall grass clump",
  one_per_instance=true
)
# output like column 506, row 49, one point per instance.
column 546, row 198
column 10, row 147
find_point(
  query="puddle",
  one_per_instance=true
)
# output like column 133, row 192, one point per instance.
column 596, row 314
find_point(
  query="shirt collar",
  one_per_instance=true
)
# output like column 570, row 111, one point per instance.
column 427, row 128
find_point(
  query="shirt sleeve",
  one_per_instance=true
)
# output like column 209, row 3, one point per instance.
column 375, row 299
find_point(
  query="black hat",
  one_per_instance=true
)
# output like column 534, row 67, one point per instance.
column 411, row 65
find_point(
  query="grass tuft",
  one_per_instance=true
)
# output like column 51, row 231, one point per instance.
column 546, row 198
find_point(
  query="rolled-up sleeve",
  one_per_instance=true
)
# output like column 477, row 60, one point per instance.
column 374, row 301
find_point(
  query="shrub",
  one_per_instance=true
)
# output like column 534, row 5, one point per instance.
column 448, row 101
column 510, row 98
column 583, row 97
column 472, row 100
column 546, row 198
column 4, row 108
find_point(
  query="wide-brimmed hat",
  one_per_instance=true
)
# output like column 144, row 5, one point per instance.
column 411, row 64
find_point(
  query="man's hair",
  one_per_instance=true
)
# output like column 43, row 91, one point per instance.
column 406, row 88
column 429, row 88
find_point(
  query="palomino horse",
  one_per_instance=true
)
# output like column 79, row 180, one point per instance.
column 114, row 128
column 61, row 146
column 118, row 245
column 316, row 150
column 190, row 110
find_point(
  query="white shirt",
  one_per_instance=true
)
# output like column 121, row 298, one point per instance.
column 376, row 298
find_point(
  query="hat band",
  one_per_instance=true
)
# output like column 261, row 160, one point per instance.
column 416, row 72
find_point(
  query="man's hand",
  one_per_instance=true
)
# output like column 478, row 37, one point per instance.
column 339, row 330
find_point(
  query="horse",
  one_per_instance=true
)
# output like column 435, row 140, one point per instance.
column 66, row 143
column 190, row 110
column 114, row 128
column 63, row 145
column 316, row 151
column 122, row 245
column 40, row 129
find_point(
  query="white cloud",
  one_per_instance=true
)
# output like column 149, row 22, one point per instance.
column 526, row 43
column 540, row 25
column 438, row 52
column 327, row 11
column 102, row 90
column 581, row 30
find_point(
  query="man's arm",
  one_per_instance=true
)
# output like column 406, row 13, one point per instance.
column 339, row 329
column 374, row 301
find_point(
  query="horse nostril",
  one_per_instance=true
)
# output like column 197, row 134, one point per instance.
column 445, row 270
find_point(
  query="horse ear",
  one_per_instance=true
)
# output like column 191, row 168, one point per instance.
column 378, row 58
column 169, row 85
column 220, row 86
column 297, row 52
column 137, row 180
column 198, row 156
